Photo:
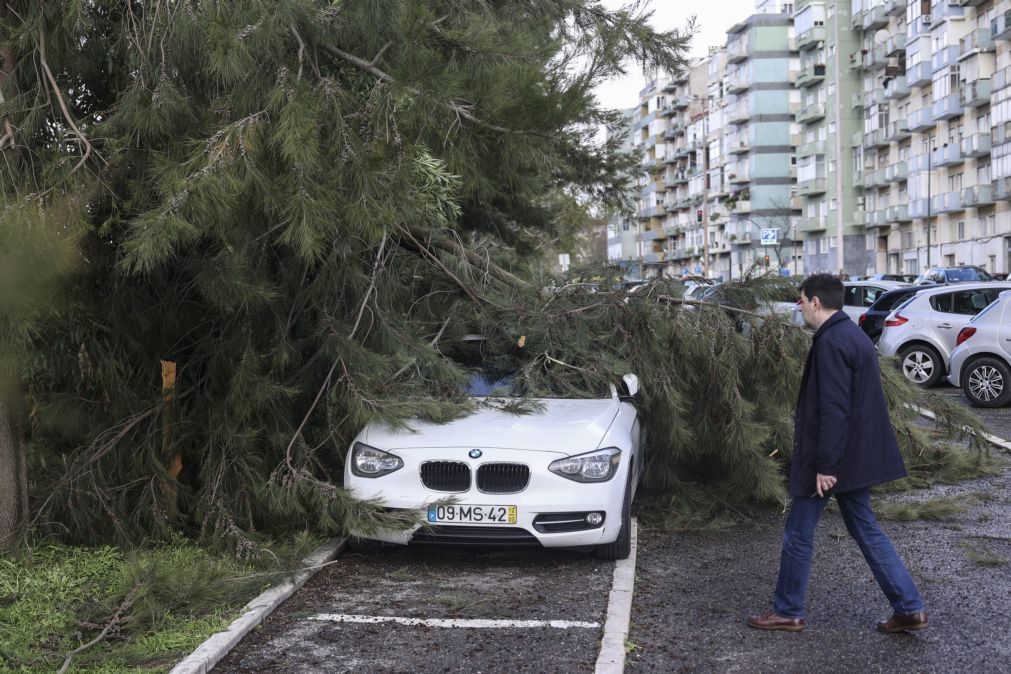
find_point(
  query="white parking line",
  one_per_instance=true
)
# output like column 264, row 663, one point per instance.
column 611, row 659
column 450, row 622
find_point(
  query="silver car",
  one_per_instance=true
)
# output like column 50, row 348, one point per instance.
column 981, row 363
column 922, row 330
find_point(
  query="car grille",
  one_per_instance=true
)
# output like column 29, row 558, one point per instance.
column 502, row 478
column 450, row 476
column 467, row 535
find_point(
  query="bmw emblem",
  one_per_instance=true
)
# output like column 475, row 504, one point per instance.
column 475, row 453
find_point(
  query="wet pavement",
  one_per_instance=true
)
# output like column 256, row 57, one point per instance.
column 463, row 601
column 694, row 590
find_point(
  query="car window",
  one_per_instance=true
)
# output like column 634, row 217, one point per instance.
column 483, row 384
column 942, row 303
column 984, row 312
column 967, row 274
column 889, row 301
column 852, row 296
column 871, row 293
column 969, row 302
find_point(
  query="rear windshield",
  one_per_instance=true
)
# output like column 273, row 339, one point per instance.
column 966, row 274
column 886, row 301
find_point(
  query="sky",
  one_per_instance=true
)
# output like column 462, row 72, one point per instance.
column 713, row 18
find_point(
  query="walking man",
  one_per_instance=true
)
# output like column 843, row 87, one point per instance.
column 843, row 444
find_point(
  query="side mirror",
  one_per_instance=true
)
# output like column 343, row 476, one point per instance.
column 631, row 384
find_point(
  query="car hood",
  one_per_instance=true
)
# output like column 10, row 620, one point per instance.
column 567, row 426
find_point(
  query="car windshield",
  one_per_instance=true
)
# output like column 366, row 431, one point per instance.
column 482, row 384
column 967, row 274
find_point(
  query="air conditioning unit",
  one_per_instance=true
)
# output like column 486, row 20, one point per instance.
column 927, row 20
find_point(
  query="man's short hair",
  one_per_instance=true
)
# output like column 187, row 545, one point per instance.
column 826, row 287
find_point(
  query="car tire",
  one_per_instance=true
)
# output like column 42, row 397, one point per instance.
column 921, row 365
column 986, row 382
column 621, row 548
column 365, row 545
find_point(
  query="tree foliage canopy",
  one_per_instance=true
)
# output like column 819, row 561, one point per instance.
column 286, row 211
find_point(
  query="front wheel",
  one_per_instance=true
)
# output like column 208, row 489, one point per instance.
column 621, row 548
column 987, row 383
column 921, row 364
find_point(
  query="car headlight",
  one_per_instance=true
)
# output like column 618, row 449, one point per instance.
column 596, row 466
column 371, row 462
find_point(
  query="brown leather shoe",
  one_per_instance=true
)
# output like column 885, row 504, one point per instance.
column 770, row 621
column 904, row 623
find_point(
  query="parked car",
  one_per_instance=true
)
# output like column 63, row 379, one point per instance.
column 922, row 330
column 562, row 476
column 873, row 320
column 960, row 274
column 904, row 278
column 981, row 361
column 860, row 295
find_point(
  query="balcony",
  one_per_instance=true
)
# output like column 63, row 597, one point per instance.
column 874, row 179
column 857, row 139
column 857, row 101
column 810, row 38
column 875, row 138
column 918, row 208
column 1000, row 189
column 1001, row 78
column 680, row 102
column 740, row 178
column 857, row 59
column 898, row 130
column 1000, row 134
column 649, row 235
column 858, row 177
column 875, row 97
column 978, row 41
column 980, row 195
column 975, row 94
column 739, row 82
column 921, row 120
column 898, row 213
column 948, row 107
column 739, row 51
column 811, row 75
column 738, row 145
column 741, row 207
column 739, row 114
column 875, row 18
column 897, row 173
column 1000, row 27
column 816, row 223
column 894, row 44
column 811, row 186
column 944, row 57
column 895, row 7
column 896, row 88
column 919, row 74
column 811, row 112
column 877, row 218
column 810, row 149
column 971, row 3
column 919, row 26
column 977, row 145
column 949, row 202
column 949, row 154
column 653, row 258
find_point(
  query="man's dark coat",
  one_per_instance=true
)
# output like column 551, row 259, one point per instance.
column 842, row 426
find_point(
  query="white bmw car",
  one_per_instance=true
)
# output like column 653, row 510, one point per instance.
column 562, row 476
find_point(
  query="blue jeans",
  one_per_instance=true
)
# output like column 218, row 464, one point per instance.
column 798, row 548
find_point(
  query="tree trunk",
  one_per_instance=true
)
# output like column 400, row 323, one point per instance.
column 13, row 482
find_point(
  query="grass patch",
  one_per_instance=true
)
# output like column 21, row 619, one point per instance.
column 935, row 509
column 154, row 604
column 980, row 554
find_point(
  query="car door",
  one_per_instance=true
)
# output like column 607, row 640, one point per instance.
column 853, row 302
column 1004, row 329
column 950, row 312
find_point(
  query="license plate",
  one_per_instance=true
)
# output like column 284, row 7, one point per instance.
column 472, row 514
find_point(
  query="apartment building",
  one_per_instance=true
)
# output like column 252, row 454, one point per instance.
column 623, row 246
column 760, row 139
column 931, row 156
column 830, row 231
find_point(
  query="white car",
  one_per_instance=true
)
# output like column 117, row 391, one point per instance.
column 981, row 361
column 923, row 329
column 562, row 476
column 858, row 296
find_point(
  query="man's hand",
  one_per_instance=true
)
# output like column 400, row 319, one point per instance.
column 822, row 483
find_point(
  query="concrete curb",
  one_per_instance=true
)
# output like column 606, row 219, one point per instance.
column 619, row 613
column 1000, row 443
column 217, row 646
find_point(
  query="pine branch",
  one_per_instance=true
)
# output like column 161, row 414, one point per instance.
column 63, row 104
column 114, row 621
column 461, row 110
column 432, row 256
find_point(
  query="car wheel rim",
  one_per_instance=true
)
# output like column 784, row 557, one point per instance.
column 918, row 366
column 986, row 383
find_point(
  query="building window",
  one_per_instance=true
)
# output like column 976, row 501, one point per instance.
column 961, row 230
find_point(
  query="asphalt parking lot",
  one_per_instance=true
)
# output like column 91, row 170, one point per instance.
column 441, row 610
column 438, row 610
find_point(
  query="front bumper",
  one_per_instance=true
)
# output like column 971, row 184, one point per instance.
column 544, row 509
